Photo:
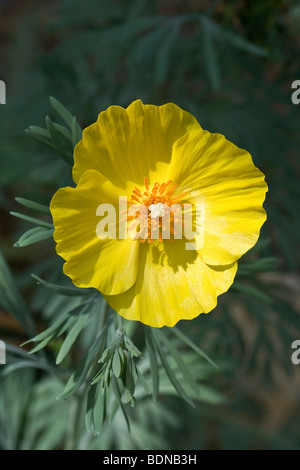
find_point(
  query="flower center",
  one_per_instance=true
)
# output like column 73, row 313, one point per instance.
column 157, row 212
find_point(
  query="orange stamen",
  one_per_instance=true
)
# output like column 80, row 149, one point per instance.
column 157, row 194
column 171, row 190
column 146, row 183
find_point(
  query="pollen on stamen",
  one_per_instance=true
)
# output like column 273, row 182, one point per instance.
column 156, row 199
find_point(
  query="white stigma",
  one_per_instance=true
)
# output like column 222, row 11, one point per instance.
column 157, row 210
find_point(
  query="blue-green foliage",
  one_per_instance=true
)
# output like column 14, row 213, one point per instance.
column 232, row 67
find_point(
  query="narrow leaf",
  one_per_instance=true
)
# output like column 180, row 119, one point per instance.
column 34, row 235
column 11, row 299
column 117, row 394
column 180, row 390
column 245, row 45
column 79, row 375
column 76, row 132
column 116, row 364
column 33, row 205
column 90, row 403
column 61, row 290
column 251, row 291
column 143, row 381
column 153, row 363
column 164, row 55
column 32, row 220
column 192, row 345
column 129, row 381
column 40, row 138
column 211, row 60
column 57, row 141
column 182, row 366
column 62, row 111
column 73, row 334
column 99, row 412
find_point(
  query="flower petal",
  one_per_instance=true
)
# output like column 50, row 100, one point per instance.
column 126, row 145
column 216, row 173
column 108, row 265
column 172, row 284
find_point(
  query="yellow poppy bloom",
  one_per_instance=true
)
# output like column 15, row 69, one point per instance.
column 157, row 156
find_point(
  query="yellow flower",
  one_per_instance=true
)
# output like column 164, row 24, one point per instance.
column 158, row 156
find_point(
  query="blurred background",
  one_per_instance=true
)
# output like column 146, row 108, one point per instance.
column 231, row 64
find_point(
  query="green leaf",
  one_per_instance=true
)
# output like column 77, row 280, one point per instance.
column 153, row 362
column 99, row 375
column 260, row 245
column 210, row 395
column 164, row 54
column 106, row 355
column 79, row 375
column 63, row 323
column 34, row 235
column 42, row 344
column 33, row 205
column 65, row 133
column 128, row 30
column 142, row 380
column 71, row 337
column 32, row 220
column 130, row 381
column 180, row 390
column 107, row 374
column 116, row 364
column 19, row 352
column 76, row 132
column 11, row 299
column 192, row 345
column 245, row 45
column 122, row 356
column 134, row 351
column 90, row 404
column 211, row 60
column 182, row 366
column 49, row 331
column 57, row 141
column 251, row 291
column 62, row 111
column 258, row 266
column 115, row 388
column 40, row 135
column 99, row 412
column 23, row 364
column 61, row 290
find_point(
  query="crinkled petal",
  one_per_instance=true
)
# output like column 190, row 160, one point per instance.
column 172, row 284
column 222, row 178
column 126, row 145
column 108, row 265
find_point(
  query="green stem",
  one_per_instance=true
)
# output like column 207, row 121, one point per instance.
column 104, row 314
column 120, row 322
